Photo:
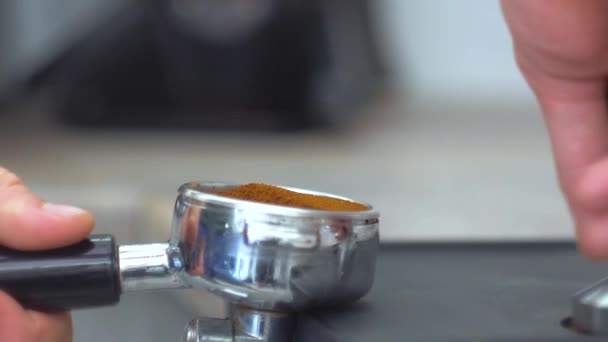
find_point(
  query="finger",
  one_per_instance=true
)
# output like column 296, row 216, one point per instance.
column 51, row 327
column 15, row 324
column 29, row 223
column 19, row 325
column 561, row 37
column 577, row 119
column 591, row 197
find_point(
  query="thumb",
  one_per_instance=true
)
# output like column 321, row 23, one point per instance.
column 29, row 223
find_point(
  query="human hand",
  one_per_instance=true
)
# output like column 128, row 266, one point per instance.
column 29, row 223
column 561, row 47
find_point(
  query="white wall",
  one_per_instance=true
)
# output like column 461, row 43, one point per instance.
column 450, row 47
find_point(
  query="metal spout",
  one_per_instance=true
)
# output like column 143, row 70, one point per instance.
column 590, row 309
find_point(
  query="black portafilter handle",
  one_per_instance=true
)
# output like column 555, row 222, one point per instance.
column 82, row 275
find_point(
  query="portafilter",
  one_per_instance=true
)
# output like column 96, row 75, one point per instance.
column 269, row 261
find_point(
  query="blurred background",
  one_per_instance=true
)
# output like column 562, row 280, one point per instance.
column 415, row 107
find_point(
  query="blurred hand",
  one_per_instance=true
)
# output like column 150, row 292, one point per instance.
column 561, row 47
column 29, row 223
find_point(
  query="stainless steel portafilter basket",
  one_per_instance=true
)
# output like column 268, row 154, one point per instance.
column 268, row 261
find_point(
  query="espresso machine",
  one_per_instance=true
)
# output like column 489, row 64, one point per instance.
column 265, row 65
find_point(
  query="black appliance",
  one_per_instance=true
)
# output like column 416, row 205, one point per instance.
column 235, row 65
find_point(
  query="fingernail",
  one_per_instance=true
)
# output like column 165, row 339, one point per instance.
column 62, row 210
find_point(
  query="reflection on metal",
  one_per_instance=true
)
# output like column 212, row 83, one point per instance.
column 590, row 309
column 268, row 261
column 245, row 325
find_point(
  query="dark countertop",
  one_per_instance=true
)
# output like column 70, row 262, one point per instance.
column 463, row 292
column 423, row 292
column 140, row 317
